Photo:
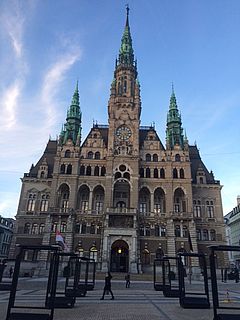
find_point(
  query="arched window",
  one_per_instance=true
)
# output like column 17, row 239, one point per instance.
column 67, row 154
column 31, row 202
column 179, row 201
column 82, row 170
column 162, row 173
column 175, row 173
column 88, row 171
column 163, row 231
column 117, row 175
column 181, row 173
column 92, row 228
column 177, row 158
column 41, row 228
column 212, row 235
column 155, row 173
column 159, row 201
column 125, row 86
column 155, row 158
column 147, row 230
column 63, row 197
column 199, row 234
column 83, row 198
column 177, row 231
column 69, row 169
column 103, row 171
column 54, row 227
column 42, row 174
column 185, row 231
column 205, row 235
column 83, row 228
column 62, row 169
column 141, row 172
column 26, row 229
column 97, row 155
column 98, row 199
column 144, row 201
column 90, row 155
column 44, row 203
column 63, row 227
column 148, row 157
column 148, row 173
column 77, row 227
column 126, row 175
column 34, row 228
column 96, row 171
column 119, row 88
column 157, row 230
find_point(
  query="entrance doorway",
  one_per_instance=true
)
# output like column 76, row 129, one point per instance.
column 119, row 256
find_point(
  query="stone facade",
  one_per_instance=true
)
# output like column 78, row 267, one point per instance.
column 121, row 196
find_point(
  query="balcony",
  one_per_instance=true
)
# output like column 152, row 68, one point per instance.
column 131, row 211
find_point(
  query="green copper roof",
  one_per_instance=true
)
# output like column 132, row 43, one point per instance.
column 72, row 127
column 126, row 55
column 174, row 131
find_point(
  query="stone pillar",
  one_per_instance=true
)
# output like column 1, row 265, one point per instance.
column 90, row 200
column 171, row 248
column 152, row 204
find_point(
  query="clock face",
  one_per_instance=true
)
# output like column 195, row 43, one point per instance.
column 123, row 133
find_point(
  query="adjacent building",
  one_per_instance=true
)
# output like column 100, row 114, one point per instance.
column 6, row 232
column 122, row 195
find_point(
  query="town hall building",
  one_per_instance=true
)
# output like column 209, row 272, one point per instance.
column 122, row 195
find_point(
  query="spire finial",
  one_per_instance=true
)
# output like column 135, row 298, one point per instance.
column 127, row 9
column 172, row 88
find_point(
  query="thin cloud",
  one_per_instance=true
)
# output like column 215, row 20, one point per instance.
column 54, row 77
column 9, row 105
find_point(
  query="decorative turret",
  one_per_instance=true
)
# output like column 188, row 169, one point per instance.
column 72, row 128
column 174, row 131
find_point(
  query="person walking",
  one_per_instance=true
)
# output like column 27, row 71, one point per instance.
column 10, row 272
column 236, row 271
column 127, row 278
column 107, row 288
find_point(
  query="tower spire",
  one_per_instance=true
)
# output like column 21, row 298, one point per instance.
column 174, row 131
column 126, row 55
column 72, row 127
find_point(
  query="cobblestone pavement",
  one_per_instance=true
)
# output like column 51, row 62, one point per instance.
column 138, row 302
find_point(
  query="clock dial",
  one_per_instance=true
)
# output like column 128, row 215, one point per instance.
column 123, row 133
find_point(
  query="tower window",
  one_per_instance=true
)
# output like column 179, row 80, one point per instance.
column 162, row 173
column 175, row 173
column 148, row 157
column 155, row 158
column 155, row 173
column 148, row 173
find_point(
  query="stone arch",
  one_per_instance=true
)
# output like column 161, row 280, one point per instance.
column 179, row 200
column 159, row 200
column 83, row 198
column 144, row 201
column 119, row 261
column 121, row 194
column 63, row 197
column 98, row 199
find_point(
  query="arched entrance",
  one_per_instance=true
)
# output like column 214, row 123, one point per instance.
column 119, row 256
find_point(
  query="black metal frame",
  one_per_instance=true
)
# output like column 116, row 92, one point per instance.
column 191, row 299
column 158, row 286
column 5, row 285
column 216, row 306
column 89, row 284
column 168, row 289
column 74, row 289
column 50, row 294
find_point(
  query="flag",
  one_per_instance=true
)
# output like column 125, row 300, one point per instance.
column 190, row 242
column 61, row 242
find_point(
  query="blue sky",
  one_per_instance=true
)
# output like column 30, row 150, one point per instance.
column 46, row 46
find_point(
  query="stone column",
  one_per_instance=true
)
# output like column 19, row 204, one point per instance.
column 152, row 204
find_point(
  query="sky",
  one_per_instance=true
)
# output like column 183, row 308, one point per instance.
column 47, row 46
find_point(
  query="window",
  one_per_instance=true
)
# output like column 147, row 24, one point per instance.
column 141, row 230
column 63, row 227
column 99, row 207
column 103, row 171
column 77, row 227
column 181, row 173
column 205, row 235
column 31, row 202
column 175, row 173
column 34, row 228
column 185, row 231
column 197, row 211
column 54, row 227
column 41, row 228
column 44, row 203
column 155, row 173
column 177, row 231
column 96, row 171
column 163, row 231
column 147, row 231
column 97, row 155
column 210, row 211
column 62, row 169
column 67, row 154
column 157, row 230
column 26, row 229
column 157, row 207
column 88, row 171
column 141, row 172
column 148, row 157
column 199, row 234
column 162, row 173
column 142, row 207
column 90, row 155
column 148, row 173
column 84, row 205
column 212, row 235
column 155, row 158
column 83, row 228
column 69, row 169
column 177, row 158
column 82, row 170
column 92, row 228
